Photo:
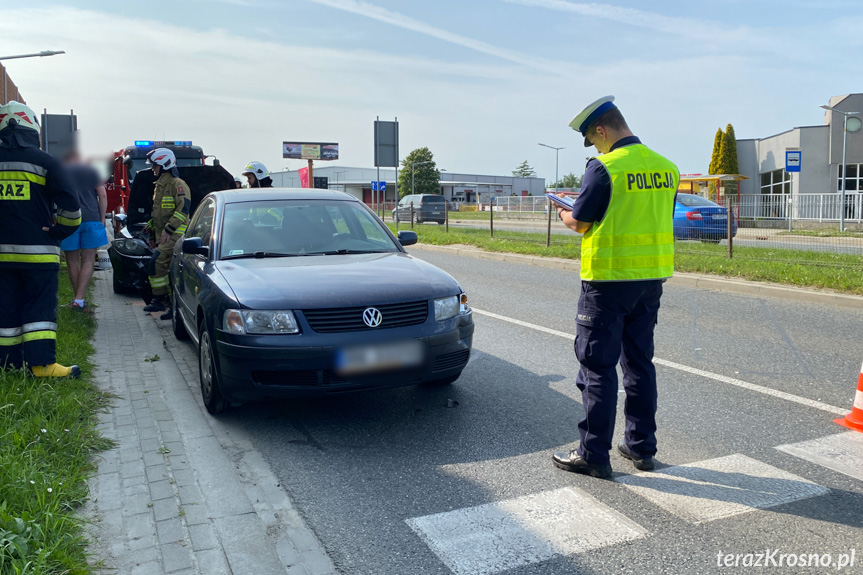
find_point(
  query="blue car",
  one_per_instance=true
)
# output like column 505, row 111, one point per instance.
column 306, row 292
column 697, row 218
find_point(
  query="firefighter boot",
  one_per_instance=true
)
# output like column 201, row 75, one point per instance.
column 56, row 370
column 158, row 303
column 167, row 314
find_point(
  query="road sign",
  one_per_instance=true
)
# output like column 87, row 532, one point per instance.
column 382, row 186
column 793, row 159
column 374, row 186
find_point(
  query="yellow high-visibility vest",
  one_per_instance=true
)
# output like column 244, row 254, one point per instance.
column 635, row 238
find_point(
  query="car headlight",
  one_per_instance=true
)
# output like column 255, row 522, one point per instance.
column 449, row 307
column 260, row 321
column 131, row 247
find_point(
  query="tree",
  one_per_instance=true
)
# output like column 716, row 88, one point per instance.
column 728, row 158
column 524, row 171
column 714, row 158
column 568, row 181
column 420, row 167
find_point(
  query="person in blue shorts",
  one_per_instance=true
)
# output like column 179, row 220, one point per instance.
column 80, row 248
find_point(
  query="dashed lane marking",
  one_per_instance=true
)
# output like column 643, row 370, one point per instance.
column 507, row 534
column 842, row 452
column 718, row 488
column 693, row 370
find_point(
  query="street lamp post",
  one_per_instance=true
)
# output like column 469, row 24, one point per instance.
column 556, row 153
column 41, row 54
column 337, row 178
column 844, row 177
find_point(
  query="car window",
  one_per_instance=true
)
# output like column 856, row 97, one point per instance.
column 693, row 201
column 302, row 227
column 433, row 199
column 201, row 225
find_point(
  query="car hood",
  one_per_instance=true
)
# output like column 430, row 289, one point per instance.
column 311, row 282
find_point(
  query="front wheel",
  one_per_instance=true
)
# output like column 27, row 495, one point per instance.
column 210, row 391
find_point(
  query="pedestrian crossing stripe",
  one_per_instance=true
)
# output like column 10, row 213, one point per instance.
column 719, row 488
column 513, row 533
column 842, row 452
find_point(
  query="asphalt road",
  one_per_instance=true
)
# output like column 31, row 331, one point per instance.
column 396, row 482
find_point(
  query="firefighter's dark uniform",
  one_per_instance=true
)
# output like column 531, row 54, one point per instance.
column 31, row 184
column 171, row 203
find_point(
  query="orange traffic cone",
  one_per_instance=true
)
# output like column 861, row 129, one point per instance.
column 854, row 420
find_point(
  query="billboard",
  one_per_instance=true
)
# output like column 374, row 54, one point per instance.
column 386, row 144
column 310, row 151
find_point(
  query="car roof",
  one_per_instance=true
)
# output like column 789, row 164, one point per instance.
column 261, row 194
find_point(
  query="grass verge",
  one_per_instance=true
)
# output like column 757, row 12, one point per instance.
column 838, row 272
column 47, row 439
column 822, row 234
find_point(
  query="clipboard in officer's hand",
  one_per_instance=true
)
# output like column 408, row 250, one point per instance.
column 565, row 202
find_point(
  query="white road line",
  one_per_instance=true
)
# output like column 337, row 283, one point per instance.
column 695, row 371
column 839, row 452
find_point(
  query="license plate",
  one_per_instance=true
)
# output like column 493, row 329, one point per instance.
column 380, row 357
column 436, row 213
column 719, row 217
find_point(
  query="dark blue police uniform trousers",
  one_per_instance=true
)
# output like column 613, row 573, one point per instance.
column 28, row 300
column 615, row 324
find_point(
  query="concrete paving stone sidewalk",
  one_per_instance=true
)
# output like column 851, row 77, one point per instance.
column 182, row 493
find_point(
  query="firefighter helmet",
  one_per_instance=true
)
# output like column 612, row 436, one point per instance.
column 163, row 157
column 15, row 113
column 257, row 169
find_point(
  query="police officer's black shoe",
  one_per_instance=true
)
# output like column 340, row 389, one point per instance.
column 166, row 315
column 158, row 303
column 640, row 463
column 572, row 461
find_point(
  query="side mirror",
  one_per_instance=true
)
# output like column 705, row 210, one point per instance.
column 195, row 246
column 407, row 237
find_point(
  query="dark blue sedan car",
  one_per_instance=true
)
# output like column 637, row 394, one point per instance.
column 293, row 292
column 697, row 218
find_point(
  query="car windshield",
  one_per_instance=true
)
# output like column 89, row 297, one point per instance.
column 284, row 228
column 693, row 201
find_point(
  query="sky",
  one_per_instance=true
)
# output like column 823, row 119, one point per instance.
column 480, row 82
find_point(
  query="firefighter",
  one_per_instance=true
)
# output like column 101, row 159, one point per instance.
column 258, row 175
column 31, row 182
column 169, row 218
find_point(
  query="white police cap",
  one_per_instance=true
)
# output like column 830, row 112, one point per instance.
column 591, row 114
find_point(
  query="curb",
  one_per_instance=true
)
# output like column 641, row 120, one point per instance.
column 680, row 278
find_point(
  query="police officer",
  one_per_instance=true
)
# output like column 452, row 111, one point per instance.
column 169, row 218
column 31, row 183
column 625, row 211
column 257, row 175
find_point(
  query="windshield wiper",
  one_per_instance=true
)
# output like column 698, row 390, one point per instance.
column 345, row 252
column 260, row 255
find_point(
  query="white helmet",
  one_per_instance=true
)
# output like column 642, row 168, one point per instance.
column 257, row 169
column 15, row 113
column 163, row 157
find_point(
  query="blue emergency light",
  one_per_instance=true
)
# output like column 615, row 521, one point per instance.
column 151, row 143
column 143, row 143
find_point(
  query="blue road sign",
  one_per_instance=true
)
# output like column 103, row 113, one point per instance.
column 793, row 159
column 374, row 186
column 382, row 186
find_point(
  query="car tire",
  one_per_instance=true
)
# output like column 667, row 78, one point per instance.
column 443, row 381
column 177, row 325
column 118, row 287
column 210, row 391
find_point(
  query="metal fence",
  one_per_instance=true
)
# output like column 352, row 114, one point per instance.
column 520, row 204
column 803, row 207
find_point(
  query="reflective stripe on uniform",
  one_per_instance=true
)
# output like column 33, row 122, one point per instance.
column 180, row 216
column 160, row 281
column 7, row 341
column 39, row 326
column 29, row 254
column 67, row 218
column 182, row 229
column 10, row 331
column 23, row 167
column 37, row 335
column 17, row 175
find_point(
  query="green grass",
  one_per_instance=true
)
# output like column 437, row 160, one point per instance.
column 839, row 272
column 47, row 440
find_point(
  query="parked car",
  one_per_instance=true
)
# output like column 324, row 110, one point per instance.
column 427, row 208
column 697, row 218
column 292, row 292
column 130, row 251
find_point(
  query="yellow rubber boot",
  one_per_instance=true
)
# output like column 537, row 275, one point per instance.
column 56, row 370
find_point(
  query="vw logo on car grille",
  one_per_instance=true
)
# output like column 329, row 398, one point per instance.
column 372, row 317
